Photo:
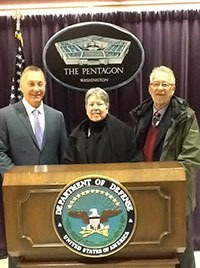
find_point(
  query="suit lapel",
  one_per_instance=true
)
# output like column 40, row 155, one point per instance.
column 23, row 117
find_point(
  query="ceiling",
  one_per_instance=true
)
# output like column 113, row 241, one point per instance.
column 34, row 6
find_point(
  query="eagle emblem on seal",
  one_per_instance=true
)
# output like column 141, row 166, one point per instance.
column 94, row 221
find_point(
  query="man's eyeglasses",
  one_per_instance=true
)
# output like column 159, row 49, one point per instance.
column 164, row 85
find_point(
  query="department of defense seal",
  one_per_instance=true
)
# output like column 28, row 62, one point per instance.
column 94, row 216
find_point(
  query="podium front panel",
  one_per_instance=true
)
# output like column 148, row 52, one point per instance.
column 157, row 188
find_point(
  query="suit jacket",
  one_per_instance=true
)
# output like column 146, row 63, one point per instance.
column 18, row 145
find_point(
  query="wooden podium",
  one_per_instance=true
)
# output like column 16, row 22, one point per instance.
column 158, row 189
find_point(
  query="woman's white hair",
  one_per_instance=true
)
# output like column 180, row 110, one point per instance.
column 99, row 93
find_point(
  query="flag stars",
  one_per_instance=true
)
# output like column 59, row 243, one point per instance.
column 15, row 95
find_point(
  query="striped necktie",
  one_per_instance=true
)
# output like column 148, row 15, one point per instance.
column 156, row 119
column 37, row 128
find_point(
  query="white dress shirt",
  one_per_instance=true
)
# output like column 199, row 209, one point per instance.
column 29, row 109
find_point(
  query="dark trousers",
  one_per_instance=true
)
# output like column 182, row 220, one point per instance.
column 3, row 250
column 12, row 262
column 187, row 259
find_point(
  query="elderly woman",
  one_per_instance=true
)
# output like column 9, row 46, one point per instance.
column 101, row 138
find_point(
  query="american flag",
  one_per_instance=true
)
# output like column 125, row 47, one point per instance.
column 15, row 94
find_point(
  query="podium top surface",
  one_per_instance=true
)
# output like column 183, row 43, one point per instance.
column 124, row 172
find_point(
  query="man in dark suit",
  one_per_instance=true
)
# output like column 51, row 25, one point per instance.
column 19, row 142
column 166, row 129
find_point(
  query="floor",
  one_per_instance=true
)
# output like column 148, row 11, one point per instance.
column 4, row 262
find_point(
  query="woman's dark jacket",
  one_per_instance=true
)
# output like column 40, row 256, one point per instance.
column 115, row 143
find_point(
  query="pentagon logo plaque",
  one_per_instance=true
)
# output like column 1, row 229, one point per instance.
column 91, row 54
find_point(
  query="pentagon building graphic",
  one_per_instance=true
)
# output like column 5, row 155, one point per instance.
column 93, row 50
